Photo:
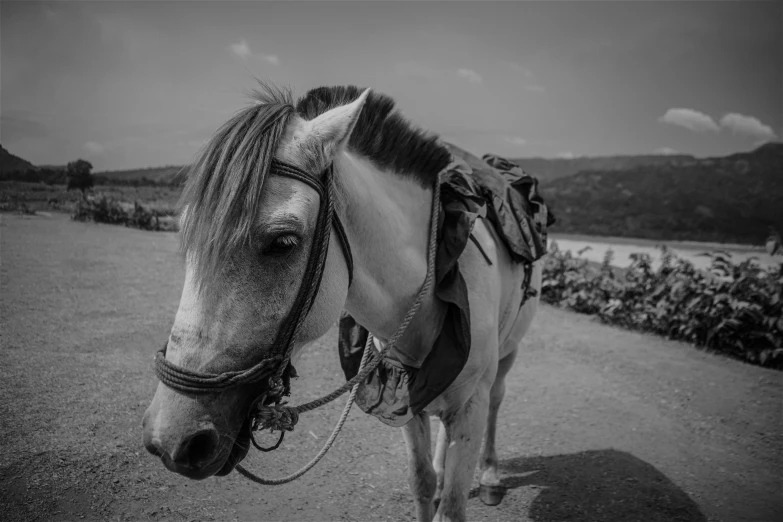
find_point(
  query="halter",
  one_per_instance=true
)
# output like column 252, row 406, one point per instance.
column 276, row 369
column 266, row 410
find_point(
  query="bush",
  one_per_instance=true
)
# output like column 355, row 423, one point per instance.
column 735, row 309
column 111, row 211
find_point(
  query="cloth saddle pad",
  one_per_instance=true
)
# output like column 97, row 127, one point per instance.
column 403, row 384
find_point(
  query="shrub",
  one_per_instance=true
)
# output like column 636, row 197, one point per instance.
column 111, row 211
column 735, row 309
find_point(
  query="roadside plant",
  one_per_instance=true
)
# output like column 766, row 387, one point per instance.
column 732, row 308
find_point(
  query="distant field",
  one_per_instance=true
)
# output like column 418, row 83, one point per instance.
column 157, row 174
column 39, row 196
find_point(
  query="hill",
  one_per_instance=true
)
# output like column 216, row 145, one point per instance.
column 724, row 199
column 10, row 163
column 162, row 175
column 548, row 169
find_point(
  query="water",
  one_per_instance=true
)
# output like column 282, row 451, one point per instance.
column 624, row 247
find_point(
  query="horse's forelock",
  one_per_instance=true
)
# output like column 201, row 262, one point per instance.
column 222, row 195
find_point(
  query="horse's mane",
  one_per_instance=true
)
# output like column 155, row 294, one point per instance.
column 382, row 134
column 222, row 194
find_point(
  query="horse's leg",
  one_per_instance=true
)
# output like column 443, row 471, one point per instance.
column 439, row 461
column 464, row 429
column 421, row 476
column 489, row 457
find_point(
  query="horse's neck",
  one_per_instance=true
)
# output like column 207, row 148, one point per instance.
column 387, row 220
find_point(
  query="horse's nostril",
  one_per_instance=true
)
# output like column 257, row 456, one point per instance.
column 152, row 444
column 154, row 449
column 198, row 449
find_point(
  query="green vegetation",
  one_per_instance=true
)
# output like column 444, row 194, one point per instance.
column 113, row 212
column 79, row 176
column 734, row 309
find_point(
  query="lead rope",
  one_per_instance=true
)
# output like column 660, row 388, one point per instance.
column 287, row 416
column 339, row 426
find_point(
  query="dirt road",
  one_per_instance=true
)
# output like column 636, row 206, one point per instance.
column 598, row 424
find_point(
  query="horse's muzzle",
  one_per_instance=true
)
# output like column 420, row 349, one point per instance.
column 196, row 455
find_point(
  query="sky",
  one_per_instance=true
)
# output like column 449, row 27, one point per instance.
column 134, row 84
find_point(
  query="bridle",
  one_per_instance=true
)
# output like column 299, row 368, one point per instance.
column 275, row 368
column 267, row 410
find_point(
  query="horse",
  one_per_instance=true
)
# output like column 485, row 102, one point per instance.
column 249, row 231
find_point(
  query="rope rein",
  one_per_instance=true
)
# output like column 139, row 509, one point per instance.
column 327, row 446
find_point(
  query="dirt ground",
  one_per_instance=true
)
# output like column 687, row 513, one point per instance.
column 598, row 424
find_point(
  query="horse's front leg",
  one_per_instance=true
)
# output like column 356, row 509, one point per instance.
column 421, row 475
column 464, row 430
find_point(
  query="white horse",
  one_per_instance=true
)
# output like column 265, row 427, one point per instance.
column 246, row 237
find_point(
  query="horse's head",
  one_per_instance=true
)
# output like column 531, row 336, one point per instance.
column 247, row 237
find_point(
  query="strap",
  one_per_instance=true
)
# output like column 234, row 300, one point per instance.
column 343, row 238
column 292, row 171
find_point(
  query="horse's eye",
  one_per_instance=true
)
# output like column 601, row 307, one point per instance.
column 282, row 245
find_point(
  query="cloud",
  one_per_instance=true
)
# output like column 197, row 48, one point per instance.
column 566, row 155
column 741, row 124
column 535, row 88
column 665, row 151
column 690, row 119
column 470, row 75
column 270, row 58
column 515, row 140
column 94, row 148
column 241, row 49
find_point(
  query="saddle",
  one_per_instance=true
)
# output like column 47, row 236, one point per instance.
column 491, row 188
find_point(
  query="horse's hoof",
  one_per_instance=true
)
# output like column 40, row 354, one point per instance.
column 491, row 495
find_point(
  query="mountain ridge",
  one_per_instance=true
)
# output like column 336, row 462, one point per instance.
column 11, row 163
column 734, row 198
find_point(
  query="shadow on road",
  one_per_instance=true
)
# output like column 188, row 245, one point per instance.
column 600, row 485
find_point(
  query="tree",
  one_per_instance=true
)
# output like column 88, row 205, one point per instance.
column 79, row 176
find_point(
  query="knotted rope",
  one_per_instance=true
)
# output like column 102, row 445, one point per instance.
column 188, row 381
column 284, row 418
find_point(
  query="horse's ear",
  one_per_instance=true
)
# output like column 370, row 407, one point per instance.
column 333, row 128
